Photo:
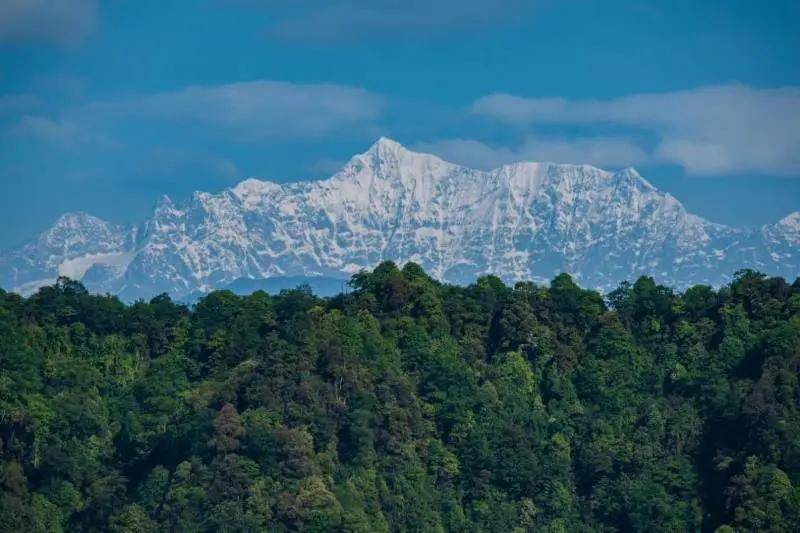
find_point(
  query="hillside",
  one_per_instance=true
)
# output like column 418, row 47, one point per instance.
column 404, row 405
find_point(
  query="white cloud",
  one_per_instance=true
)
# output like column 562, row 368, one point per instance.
column 63, row 131
column 250, row 111
column 602, row 152
column 53, row 21
column 258, row 108
column 710, row 130
column 599, row 151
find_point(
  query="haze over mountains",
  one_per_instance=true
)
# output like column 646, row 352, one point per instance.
column 521, row 221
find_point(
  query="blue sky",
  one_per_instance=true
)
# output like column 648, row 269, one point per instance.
column 105, row 105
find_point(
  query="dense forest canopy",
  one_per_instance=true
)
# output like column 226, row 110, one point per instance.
column 404, row 405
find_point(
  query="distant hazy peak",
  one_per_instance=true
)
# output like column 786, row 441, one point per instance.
column 77, row 219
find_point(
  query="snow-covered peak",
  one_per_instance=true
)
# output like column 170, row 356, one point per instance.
column 76, row 220
column 79, row 230
column 385, row 176
column 254, row 188
column 791, row 222
column 75, row 244
column 386, row 156
column 568, row 179
column 165, row 208
column 631, row 175
column 786, row 229
column 386, row 147
column 389, row 161
column 164, row 204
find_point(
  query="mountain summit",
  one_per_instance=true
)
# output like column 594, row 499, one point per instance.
column 519, row 221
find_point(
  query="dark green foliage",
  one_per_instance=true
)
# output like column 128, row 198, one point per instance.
column 405, row 405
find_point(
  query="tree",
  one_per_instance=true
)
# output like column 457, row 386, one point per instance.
column 404, row 405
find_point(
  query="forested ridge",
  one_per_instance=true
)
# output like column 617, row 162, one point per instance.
column 404, row 405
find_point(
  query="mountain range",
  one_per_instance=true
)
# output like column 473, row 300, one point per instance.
column 523, row 221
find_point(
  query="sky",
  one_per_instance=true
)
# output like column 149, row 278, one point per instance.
column 107, row 105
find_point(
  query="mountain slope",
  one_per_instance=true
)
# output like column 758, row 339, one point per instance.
column 520, row 221
column 75, row 245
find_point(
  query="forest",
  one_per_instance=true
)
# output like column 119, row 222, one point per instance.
column 404, row 405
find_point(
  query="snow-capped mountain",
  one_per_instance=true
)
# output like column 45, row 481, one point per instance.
column 76, row 244
column 520, row 221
